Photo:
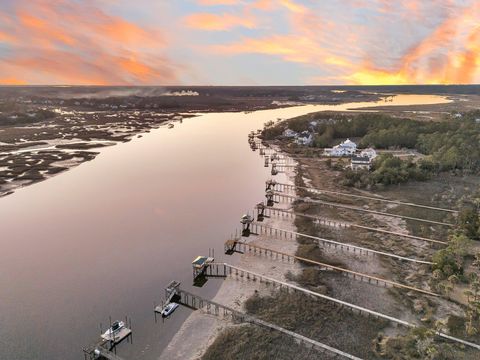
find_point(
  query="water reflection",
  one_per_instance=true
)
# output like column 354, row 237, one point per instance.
column 104, row 238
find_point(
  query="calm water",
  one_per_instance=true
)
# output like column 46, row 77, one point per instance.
column 105, row 238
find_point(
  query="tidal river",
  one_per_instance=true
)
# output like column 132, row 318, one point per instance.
column 104, row 238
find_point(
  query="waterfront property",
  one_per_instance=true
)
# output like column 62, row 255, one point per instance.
column 346, row 148
column 360, row 162
column 364, row 160
column 370, row 153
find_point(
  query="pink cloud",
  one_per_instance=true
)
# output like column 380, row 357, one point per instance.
column 68, row 42
column 214, row 22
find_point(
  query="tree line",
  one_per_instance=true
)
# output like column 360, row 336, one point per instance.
column 449, row 145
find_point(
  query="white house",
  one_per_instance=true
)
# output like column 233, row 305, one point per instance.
column 304, row 139
column 346, row 148
column 337, row 150
column 349, row 145
column 360, row 162
column 289, row 133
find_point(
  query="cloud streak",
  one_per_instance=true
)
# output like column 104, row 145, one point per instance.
column 349, row 45
column 65, row 42
column 297, row 41
column 220, row 22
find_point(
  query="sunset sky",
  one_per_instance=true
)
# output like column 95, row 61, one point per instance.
column 239, row 42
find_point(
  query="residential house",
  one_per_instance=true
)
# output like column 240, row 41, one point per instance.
column 349, row 146
column 360, row 162
column 370, row 153
column 305, row 138
column 346, row 148
column 289, row 133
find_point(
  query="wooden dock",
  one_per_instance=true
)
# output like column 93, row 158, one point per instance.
column 109, row 355
column 198, row 303
column 259, row 250
column 289, row 198
column 268, row 212
column 269, row 230
column 103, row 348
column 231, row 270
column 170, row 292
column 283, row 187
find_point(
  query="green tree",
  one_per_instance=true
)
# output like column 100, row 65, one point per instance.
column 468, row 221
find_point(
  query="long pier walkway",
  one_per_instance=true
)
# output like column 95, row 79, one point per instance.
column 282, row 187
column 196, row 302
column 289, row 198
column 257, row 228
column 225, row 269
column 232, row 246
column 342, row 224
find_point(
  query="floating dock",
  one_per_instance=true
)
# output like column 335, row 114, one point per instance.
column 103, row 348
column 118, row 336
column 170, row 296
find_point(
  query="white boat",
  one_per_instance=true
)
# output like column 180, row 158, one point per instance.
column 169, row 308
column 113, row 331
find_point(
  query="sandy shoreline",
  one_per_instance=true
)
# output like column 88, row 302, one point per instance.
column 200, row 329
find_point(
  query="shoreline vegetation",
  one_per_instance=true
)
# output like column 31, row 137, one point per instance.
column 454, row 275
column 441, row 171
column 47, row 130
column 450, row 145
column 456, row 268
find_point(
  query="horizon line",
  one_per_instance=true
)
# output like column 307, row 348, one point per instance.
column 204, row 86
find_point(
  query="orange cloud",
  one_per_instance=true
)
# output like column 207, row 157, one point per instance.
column 214, row 22
column 371, row 76
column 291, row 48
column 12, row 81
column 4, row 37
column 358, row 41
column 293, row 6
column 65, row 42
column 452, row 49
column 466, row 64
column 450, row 53
column 263, row 5
column 44, row 30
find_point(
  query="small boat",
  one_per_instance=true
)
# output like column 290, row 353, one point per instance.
column 170, row 126
column 116, row 327
column 169, row 308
